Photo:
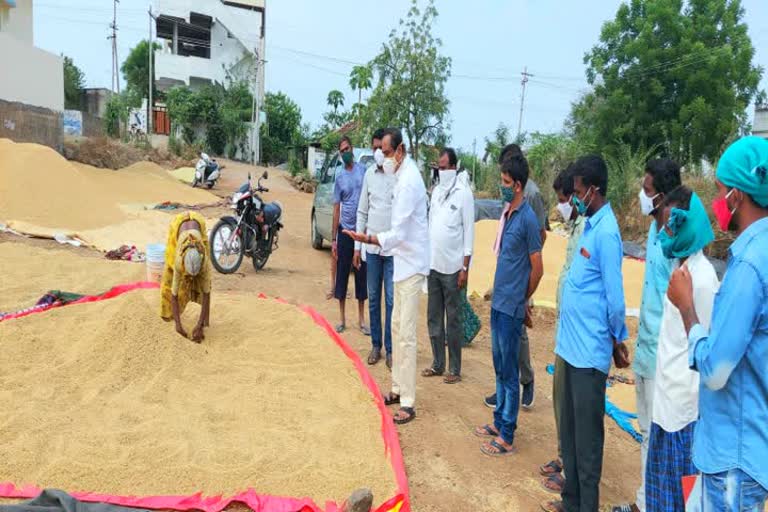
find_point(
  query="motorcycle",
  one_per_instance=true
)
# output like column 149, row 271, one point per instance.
column 207, row 171
column 254, row 232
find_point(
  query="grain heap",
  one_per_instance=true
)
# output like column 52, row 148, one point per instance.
column 107, row 398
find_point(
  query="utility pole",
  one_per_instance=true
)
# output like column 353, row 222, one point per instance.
column 151, row 80
column 255, row 118
column 524, row 81
column 113, row 37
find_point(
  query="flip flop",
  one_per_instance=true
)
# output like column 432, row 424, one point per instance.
column 341, row 328
column 431, row 372
column 551, row 468
column 365, row 330
column 501, row 451
column 553, row 483
column 487, row 431
column 552, row 506
column 391, row 399
column 411, row 415
column 452, row 379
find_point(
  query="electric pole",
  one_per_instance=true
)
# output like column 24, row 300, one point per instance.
column 524, row 81
column 113, row 37
column 150, row 109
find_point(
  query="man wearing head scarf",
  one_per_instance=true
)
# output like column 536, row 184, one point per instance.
column 685, row 231
column 731, row 439
column 186, row 275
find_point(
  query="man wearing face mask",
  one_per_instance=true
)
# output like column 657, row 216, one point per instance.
column 346, row 195
column 374, row 215
column 519, row 269
column 563, row 186
column 408, row 241
column 591, row 328
column 451, row 235
column 662, row 176
column 686, row 231
column 536, row 201
column 730, row 445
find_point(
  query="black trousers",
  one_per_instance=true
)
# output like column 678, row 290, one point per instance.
column 345, row 248
column 582, row 433
column 445, row 320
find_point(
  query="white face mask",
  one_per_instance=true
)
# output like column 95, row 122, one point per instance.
column 566, row 210
column 646, row 203
column 447, row 177
column 378, row 157
column 389, row 165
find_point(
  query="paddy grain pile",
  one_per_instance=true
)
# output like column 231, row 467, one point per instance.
column 106, row 397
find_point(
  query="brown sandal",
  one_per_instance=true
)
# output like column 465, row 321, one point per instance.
column 551, row 467
column 431, row 372
column 452, row 379
column 553, row 506
column 553, row 483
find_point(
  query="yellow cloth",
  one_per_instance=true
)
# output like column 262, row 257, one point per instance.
column 175, row 279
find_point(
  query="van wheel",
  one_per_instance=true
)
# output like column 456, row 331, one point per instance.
column 317, row 240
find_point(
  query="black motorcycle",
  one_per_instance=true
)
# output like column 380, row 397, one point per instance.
column 254, row 232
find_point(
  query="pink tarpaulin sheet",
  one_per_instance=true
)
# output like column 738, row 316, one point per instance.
column 256, row 502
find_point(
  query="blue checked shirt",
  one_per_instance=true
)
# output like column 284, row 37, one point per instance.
column 732, row 360
column 592, row 312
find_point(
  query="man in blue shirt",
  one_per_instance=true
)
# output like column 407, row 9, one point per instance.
column 662, row 176
column 730, row 444
column 591, row 327
column 346, row 195
column 519, row 269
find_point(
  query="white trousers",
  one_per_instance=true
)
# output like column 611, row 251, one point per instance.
column 644, row 391
column 405, row 319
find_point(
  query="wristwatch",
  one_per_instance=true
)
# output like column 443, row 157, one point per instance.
column 465, row 269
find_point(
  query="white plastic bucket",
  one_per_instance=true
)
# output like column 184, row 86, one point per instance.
column 155, row 262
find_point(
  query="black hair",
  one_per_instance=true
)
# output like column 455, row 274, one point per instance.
column 564, row 182
column 347, row 139
column 395, row 137
column 516, row 167
column 378, row 134
column 509, row 151
column 680, row 197
column 451, row 156
column 592, row 171
column 665, row 173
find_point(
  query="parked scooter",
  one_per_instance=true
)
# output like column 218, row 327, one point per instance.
column 207, row 171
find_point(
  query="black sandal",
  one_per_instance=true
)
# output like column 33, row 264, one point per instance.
column 391, row 399
column 411, row 415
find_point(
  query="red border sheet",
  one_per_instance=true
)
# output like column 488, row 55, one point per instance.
column 256, row 502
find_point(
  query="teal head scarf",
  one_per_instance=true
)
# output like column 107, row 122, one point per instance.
column 691, row 230
column 744, row 166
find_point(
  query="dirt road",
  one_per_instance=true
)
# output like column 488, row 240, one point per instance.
column 446, row 470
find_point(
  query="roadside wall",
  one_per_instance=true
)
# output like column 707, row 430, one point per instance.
column 30, row 75
column 26, row 123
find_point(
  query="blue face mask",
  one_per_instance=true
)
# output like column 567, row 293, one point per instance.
column 581, row 206
column 507, row 194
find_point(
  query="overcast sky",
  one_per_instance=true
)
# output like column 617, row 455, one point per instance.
column 311, row 45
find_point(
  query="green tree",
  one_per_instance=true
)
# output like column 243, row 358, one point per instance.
column 410, row 90
column 672, row 73
column 283, row 128
column 135, row 70
column 360, row 78
column 495, row 143
column 74, row 81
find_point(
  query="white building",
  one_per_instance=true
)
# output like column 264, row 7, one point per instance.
column 29, row 75
column 205, row 41
column 760, row 124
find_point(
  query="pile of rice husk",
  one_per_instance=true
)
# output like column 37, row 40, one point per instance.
column 185, row 174
column 44, row 194
column 484, row 267
column 107, row 153
column 106, row 397
column 30, row 272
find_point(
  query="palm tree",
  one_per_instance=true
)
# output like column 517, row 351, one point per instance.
column 335, row 100
column 360, row 78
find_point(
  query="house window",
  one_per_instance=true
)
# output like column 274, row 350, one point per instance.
column 191, row 38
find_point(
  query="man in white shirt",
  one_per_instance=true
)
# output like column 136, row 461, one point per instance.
column 451, row 234
column 374, row 215
column 686, row 231
column 408, row 241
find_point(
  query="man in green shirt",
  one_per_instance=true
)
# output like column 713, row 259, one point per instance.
column 563, row 185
